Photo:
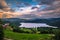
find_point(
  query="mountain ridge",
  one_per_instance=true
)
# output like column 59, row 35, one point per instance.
column 50, row 21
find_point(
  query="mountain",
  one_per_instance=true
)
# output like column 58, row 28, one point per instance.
column 50, row 21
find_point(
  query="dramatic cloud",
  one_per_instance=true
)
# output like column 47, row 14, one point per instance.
column 30, row 9
column 4, row 6
column 45, row 1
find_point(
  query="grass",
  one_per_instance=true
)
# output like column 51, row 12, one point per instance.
column 23, row 36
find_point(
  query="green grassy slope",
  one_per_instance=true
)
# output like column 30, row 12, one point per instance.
column 24, row 36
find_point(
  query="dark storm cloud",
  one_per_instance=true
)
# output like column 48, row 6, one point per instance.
column 45, row 1
column 34, row 7
column 4, row 6
column 54, row 6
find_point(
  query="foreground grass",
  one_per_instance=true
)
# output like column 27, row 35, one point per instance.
column 24, row 36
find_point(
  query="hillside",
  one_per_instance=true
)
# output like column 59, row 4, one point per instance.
column 24, row 36
column 51, row 21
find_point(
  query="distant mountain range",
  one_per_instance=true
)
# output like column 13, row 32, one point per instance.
column 50, row 21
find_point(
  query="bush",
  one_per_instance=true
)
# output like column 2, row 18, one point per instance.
column 20, row 30
column 16, row 29
column 44, row 30
column 34, row 30
column 1, row 32
column 57, row 35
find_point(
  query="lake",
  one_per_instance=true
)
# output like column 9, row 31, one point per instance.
column 33, row 25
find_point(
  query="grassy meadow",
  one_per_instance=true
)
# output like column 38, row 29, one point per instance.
column 24, row 36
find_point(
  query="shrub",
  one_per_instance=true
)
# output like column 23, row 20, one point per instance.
column 57, row 35
column 1, row 31
column 20, row 30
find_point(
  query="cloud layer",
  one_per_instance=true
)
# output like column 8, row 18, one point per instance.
column 32, row 9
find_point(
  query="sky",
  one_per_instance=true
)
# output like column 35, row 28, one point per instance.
column 30, row 9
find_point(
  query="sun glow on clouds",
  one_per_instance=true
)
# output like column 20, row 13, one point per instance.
column 26, row 10
column 36, row 8
column 22, row 11
column 33, row 9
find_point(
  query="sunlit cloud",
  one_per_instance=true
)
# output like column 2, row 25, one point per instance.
column 30, row 9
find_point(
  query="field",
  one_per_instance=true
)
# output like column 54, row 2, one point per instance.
column 24, row 36
column 13, row 32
